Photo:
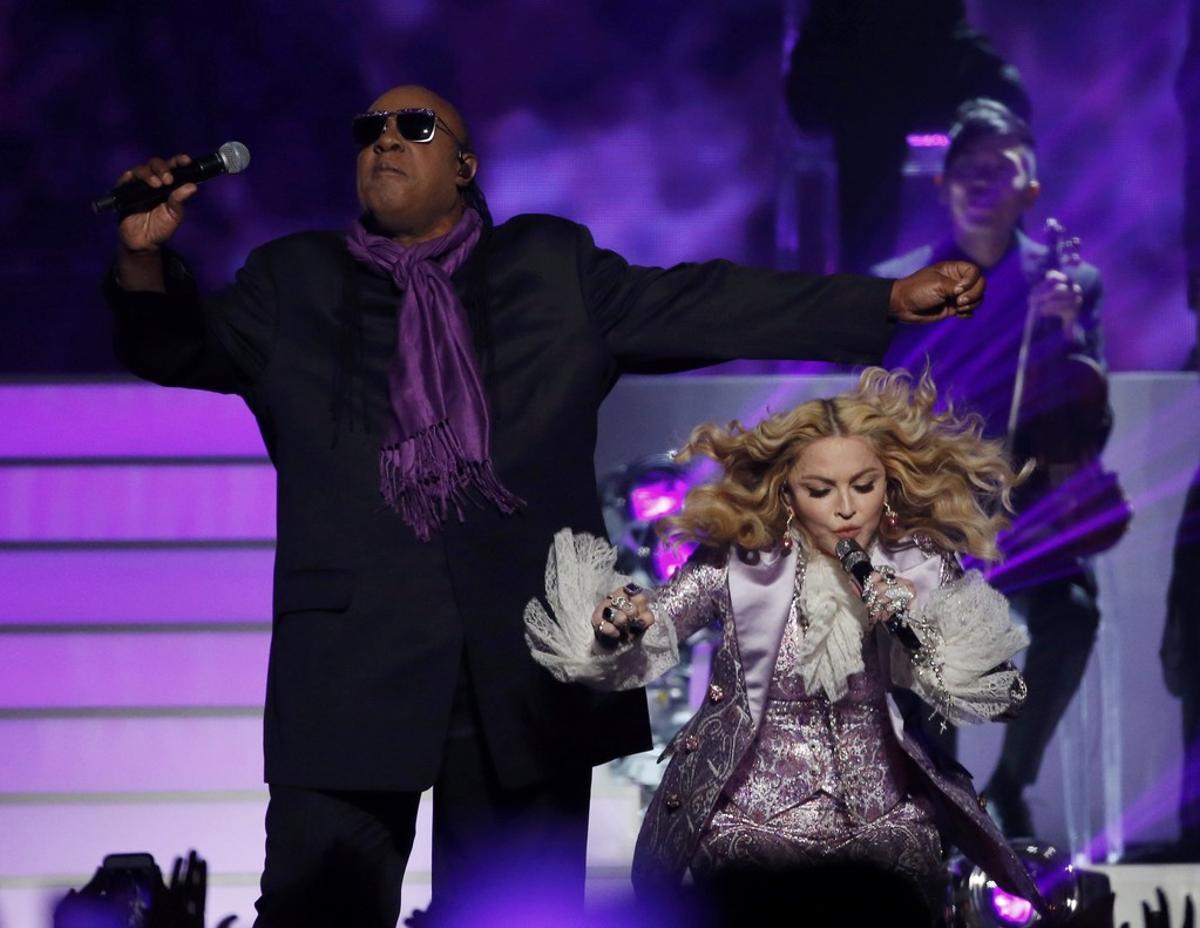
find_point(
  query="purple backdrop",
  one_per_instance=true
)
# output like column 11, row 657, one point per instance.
column 655, row 123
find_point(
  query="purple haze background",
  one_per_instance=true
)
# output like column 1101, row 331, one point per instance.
column 657, row 124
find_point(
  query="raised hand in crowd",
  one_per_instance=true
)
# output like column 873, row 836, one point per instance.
column 1160, row 917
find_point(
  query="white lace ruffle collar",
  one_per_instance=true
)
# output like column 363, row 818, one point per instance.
column 831, row 649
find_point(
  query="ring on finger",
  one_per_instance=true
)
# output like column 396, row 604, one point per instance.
column 623, row 604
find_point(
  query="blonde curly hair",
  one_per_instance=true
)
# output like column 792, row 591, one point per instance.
column 944, row 479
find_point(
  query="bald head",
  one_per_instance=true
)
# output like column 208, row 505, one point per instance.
column 413, row 189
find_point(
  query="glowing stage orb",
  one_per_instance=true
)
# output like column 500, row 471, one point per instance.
column 1010, row 909
column 651, row 501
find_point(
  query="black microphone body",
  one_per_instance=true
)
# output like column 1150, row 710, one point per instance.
column 857, row 564
column 136, row 196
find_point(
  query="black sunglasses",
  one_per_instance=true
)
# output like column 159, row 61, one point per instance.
column 418, row 124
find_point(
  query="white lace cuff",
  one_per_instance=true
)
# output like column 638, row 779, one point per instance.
column 579, row 571
column 966, row 635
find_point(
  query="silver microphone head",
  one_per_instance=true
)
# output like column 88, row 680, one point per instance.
column 850, row 553
column 234, row 157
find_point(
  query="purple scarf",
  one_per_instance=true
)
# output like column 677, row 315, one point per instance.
column 436, row 447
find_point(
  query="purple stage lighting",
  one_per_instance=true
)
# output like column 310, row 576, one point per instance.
column 1010, row 909
column 928, row 140
column 658, row 498
column 669, row 558
column 635, row 496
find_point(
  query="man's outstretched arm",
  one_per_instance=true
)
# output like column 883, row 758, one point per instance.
column 693, row 314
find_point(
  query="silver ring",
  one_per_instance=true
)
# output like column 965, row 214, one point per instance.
column 623, row 604
column 888, row 572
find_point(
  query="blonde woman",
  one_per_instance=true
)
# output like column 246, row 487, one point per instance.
column 799, row 756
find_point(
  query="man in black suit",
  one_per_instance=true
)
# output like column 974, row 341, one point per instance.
column 989, row 182
column 399, row 663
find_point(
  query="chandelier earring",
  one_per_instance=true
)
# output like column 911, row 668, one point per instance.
column 787, row 540
column 890, row 518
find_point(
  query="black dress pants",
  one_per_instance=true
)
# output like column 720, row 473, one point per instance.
column 337, row 858
column 1062, row 618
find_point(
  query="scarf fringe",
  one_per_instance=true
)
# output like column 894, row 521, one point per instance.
column 421, row 476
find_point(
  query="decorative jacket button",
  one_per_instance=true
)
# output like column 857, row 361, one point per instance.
column 691, row 743
column 716, row 693
column 672, row 801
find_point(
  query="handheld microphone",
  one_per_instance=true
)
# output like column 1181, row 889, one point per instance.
column 857, row 563
column 136, row 196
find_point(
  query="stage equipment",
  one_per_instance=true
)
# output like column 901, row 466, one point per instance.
column 634, row 496
column 128, row 891
column 973, row 900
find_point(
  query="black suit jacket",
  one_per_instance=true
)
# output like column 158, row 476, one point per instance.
column 370, row 624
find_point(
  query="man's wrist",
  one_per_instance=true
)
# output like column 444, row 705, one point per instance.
column 139, row 269
column 151, row 251
column 893, row 309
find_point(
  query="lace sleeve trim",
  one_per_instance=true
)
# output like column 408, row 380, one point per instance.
column 963, row 667
column 579, row 571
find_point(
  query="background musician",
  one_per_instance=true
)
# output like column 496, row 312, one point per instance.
column 1051, row 299
column 909, row 64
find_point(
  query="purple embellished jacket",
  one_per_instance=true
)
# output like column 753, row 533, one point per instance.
column 751, row 597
